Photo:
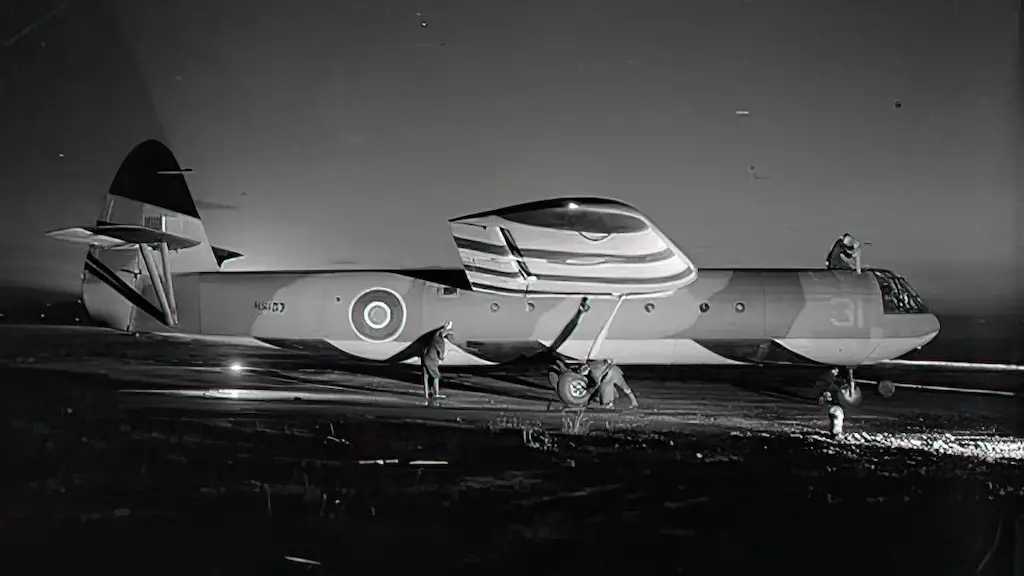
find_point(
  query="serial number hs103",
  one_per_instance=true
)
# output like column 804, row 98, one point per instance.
column 272, row 306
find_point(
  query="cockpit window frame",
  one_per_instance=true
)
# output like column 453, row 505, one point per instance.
column 898, row 296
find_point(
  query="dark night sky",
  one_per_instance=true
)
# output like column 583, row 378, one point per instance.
column 328, row 131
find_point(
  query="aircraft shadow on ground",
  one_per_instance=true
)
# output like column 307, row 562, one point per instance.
column 296, row 379
column 469, row 383
column 779, row 392
column 520, row 389
column 783, row 386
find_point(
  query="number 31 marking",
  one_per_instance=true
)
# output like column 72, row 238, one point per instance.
column 848, row 312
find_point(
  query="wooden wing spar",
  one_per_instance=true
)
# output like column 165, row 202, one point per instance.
column 569, row 247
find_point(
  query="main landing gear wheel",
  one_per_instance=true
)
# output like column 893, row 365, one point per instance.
column 573, row 389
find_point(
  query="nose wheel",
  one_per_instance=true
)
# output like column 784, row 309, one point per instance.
column 851, row 394
column 843, row 388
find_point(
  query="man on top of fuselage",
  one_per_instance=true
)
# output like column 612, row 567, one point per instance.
column 844, row 253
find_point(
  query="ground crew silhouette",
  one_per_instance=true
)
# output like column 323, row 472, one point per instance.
column 430, row 360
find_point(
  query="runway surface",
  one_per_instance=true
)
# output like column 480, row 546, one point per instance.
column 157, row 457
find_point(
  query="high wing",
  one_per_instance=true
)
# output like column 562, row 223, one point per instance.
column 569, row 247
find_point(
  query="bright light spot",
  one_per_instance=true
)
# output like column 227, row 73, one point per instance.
column 989, row 448
column 573, row 205
column 235, row 367
column 423, row 24
column 224, row 393
column 743, row 113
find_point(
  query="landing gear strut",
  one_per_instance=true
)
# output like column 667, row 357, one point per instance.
column 843, row 386
column 574, row 389
column 849, row 392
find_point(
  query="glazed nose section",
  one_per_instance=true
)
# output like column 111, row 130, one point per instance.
column 928, row 328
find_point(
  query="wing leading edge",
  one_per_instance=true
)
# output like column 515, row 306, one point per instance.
column 570, row 246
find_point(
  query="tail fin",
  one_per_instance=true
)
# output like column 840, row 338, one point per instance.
column 149, row 227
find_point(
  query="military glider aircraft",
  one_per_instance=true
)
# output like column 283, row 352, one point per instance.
column 562, row 280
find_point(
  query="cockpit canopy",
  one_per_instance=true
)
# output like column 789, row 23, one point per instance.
column 898, row 297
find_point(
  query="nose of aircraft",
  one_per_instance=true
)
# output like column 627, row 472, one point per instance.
column 929, row 328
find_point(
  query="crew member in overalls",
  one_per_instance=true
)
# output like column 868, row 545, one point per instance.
column 608, row 377
column 844, row 254
column 433, row 355
column 830, row 399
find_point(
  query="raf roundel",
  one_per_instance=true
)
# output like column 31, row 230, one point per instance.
column 377, row 315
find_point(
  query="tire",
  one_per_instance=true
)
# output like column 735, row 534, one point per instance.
column 553, row 378
column 850, row 400
column 573, row 389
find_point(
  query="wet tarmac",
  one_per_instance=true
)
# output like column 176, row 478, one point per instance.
column 156, row 457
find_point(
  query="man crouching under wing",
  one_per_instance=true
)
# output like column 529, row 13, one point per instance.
column 608, row 377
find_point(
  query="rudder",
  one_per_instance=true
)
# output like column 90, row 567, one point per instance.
column 150, row 190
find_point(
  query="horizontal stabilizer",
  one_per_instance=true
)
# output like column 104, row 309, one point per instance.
column 224, row 255
column 112, row 236
column 577, row 246
column 83, row 236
